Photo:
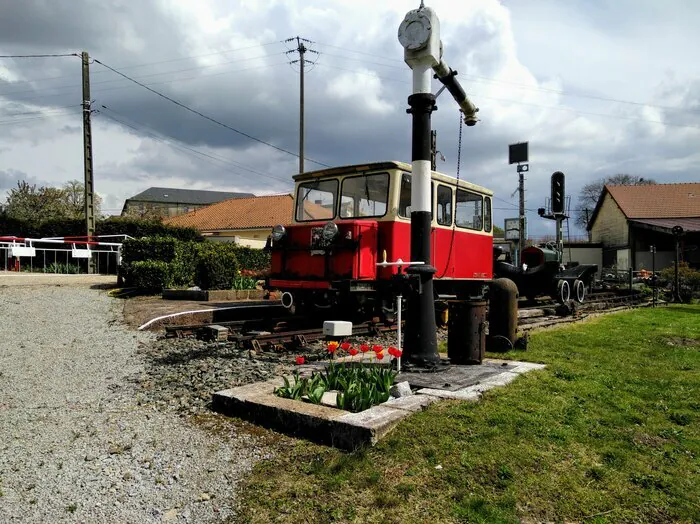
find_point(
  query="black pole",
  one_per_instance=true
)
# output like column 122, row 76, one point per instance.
column 653, row 275
column 676, row 282
column 420, row 347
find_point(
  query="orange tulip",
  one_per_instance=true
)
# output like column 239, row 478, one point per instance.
column 332, row 346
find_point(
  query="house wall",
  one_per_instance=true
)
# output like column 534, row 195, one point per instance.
column 583, row 254
column 610, row 227
column 159, row 208
column 256, row 238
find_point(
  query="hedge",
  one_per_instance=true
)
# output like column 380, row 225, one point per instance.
column 209, row 265
column 134, row 227
column 151, row 275
column 216, row 269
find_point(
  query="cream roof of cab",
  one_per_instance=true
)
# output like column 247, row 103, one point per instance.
column 378, row 166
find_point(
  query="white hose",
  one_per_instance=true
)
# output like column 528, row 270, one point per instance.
column 144, row 326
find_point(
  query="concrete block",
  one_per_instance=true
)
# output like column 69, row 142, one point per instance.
column 402, row 389
column 374, row 422
column 337, row 328
column 414, row 403
column 501, row 379
column 468, row 394
column 524, row 367
column 216, row 332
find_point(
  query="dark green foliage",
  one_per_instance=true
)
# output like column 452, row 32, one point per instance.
column 134, row 227
column 139, row 227
column 151, row 275
column 359, row 387
column 216, row 268
column 256, row 261
column 163, row 249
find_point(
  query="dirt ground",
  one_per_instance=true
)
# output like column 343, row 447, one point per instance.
column 12, row 279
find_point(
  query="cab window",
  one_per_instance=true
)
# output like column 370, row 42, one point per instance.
column 469, row 210
column 487, row 214
column 364, row 196
column 444, row 205
column 316, row 200
column 405, row 197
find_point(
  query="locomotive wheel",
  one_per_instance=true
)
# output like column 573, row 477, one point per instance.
column 579, row 291
column 563, row 291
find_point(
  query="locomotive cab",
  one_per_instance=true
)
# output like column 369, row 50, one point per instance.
column 346, row 218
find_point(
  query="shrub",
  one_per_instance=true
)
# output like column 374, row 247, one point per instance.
column 151, row 275
column 253, row 260
column 163, row 249
column 216, row 269
column 689, row 280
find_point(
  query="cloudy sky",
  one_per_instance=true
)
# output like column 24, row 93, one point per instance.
column 596, row 88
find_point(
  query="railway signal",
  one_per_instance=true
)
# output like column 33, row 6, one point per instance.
column 558, row 197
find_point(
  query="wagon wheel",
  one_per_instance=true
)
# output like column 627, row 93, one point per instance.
column 579, row 290
column 563, row 291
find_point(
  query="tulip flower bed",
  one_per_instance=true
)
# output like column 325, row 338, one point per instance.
column 358, row 386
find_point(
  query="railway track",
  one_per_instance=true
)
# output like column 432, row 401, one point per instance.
column 266, row 330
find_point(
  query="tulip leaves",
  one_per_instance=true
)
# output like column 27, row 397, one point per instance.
column 359, row 387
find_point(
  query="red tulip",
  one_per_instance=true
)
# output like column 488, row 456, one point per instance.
column 398, row 353
column 364, row 348
column 332, row 346
column 391, row 350
column 345, row 346
column 380, row 355
column 352, row 352
column 300, row 360
column 377, row 348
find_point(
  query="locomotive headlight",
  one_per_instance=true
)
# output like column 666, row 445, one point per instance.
column 330, row 230
column 278, row 232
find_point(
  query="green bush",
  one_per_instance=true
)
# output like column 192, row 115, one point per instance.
column 216, row 269
column 253, row 260
column 134, row 227
column 689, row 280
column 150, row 275
column 163, row 249
column 57, row 267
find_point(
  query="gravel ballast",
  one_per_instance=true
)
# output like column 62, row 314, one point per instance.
column 84, row 436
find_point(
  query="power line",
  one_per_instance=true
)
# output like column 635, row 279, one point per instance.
column 39, row 56
column 510, row 101
column 180, row 104
column 523, row 86
column 182, row 145
column 73, row 86
column 153, row 63
column 21, row 120
column 130, row 86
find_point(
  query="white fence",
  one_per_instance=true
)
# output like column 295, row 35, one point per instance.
column 60, row 255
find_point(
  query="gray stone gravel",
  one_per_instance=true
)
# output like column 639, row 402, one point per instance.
column 79, row 440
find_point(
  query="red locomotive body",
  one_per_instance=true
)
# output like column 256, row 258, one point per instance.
column 349, row 219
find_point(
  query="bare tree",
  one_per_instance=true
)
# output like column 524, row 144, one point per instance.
column 590, row 193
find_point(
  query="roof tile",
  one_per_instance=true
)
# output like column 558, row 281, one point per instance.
column 239, row 213
column 658, row 200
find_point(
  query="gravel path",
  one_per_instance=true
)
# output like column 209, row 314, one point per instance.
column 79, row 442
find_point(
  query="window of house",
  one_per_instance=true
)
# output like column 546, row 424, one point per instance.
column 468, row 211
column 444, row 205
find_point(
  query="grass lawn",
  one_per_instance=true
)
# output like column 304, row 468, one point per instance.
column 608, row 432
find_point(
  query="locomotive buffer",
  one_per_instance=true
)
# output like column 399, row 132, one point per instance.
column 419, row 34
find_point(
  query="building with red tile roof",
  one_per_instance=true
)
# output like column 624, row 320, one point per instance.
column 628, row 220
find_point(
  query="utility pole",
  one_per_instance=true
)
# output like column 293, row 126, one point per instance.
column 302, row 50
column 521, row 209
column 433, row 150
column 87, row 156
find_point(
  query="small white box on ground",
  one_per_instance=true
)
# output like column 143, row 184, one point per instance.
column 337, row 328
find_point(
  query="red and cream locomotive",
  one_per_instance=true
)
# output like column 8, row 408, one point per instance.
column 348, row 220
